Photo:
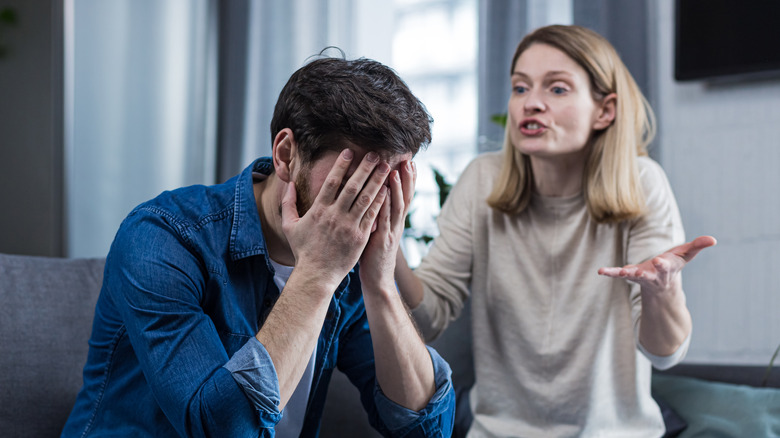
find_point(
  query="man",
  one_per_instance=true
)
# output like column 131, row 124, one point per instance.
column 192, row 336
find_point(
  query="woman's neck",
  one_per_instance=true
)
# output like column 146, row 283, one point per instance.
column 558, row 177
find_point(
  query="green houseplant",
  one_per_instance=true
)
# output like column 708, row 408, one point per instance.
column 8, row 19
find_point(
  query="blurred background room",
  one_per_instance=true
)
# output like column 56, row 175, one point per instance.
column 106, row 103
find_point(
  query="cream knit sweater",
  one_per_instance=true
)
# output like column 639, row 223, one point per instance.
column 555, row 345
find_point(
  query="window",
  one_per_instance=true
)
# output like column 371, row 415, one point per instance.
column 434, row 49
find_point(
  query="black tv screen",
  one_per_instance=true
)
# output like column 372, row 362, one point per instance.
column 726, row 39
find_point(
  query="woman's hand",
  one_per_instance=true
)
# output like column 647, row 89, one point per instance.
column 665, row 319
column 660, row 273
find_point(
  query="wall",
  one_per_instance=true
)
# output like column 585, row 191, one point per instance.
column 31, row 131
column 721, row 150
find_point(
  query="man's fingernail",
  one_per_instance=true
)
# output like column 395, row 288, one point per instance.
column 384, row 168
column 372, row 157
column 347, row 154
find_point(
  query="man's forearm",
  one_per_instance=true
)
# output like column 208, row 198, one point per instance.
column 403, row 365
column 291, row 330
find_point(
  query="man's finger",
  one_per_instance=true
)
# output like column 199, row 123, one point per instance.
column 330, row 188
column 408, row 181
column 373, row 212
column 354, row 184
column 373, row 176
column 289, row 204
column 397, row 196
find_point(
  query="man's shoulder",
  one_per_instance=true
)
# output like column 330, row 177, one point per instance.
column 191, row 205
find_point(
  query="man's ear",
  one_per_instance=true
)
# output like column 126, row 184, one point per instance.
column 607, row 110
column 284, row 152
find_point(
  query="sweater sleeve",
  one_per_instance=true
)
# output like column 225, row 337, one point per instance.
column 659, row 229
column 446, row 271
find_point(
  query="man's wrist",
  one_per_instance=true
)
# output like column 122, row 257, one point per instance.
column 315, row 282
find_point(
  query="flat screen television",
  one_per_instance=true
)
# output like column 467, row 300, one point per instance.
column 726, row 39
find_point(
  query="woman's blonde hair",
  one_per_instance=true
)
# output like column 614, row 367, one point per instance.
column 611, row 185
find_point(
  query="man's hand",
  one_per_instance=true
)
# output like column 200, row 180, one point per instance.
column 660, row 273
column 328, row 240
column 377, row 264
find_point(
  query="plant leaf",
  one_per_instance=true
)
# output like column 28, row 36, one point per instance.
column 499, row 119
column 8, row 16
column 442, row 184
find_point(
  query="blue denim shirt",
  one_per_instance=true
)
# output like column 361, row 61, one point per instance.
column 187, row 285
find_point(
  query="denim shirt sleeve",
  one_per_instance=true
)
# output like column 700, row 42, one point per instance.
column 253, row 370
column 435, row 419
column 156, row 282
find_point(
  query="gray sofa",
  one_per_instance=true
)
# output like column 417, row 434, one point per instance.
column 46, row 320
column 46, row 317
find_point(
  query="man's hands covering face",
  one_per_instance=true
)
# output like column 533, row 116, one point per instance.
column 330, row 238
column 377, row 264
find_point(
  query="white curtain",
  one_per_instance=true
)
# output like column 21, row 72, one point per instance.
column 264, row 42
column 140, row 104
column 502, row 24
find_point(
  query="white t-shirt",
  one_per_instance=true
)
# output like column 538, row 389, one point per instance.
column 293, row 414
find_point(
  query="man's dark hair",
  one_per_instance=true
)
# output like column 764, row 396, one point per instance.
column 330, row 100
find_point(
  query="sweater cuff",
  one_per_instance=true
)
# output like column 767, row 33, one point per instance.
column 666, row 362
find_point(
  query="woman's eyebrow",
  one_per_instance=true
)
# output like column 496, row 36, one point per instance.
column 546, row 75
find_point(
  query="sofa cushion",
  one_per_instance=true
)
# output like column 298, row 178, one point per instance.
column 45, row 323
column 714, row 409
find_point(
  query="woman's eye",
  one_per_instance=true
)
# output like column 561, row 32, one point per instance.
column 519, row 89
column 558, row 90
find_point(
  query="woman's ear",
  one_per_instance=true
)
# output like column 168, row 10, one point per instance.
column 607, row 111
column 283, row 153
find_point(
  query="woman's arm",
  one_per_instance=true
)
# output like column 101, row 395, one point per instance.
column 666, row 321
column 408, row 283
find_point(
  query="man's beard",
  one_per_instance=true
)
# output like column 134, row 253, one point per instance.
column 304, row 199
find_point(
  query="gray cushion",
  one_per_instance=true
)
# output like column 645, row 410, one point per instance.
column 45, row 323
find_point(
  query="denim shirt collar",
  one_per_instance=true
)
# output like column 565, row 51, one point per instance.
column 246, row 234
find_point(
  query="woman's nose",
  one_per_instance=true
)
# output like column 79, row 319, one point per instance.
column 534, row 102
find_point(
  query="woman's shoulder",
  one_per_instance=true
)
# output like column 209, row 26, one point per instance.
column 647, row 164
column 480, row 174
column 650, row 171
column 486, row 164
column 655, row 183
column 477, row 179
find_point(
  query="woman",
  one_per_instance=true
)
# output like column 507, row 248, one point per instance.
column 560, row 350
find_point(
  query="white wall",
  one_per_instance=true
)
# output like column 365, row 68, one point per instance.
column 720, row 147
